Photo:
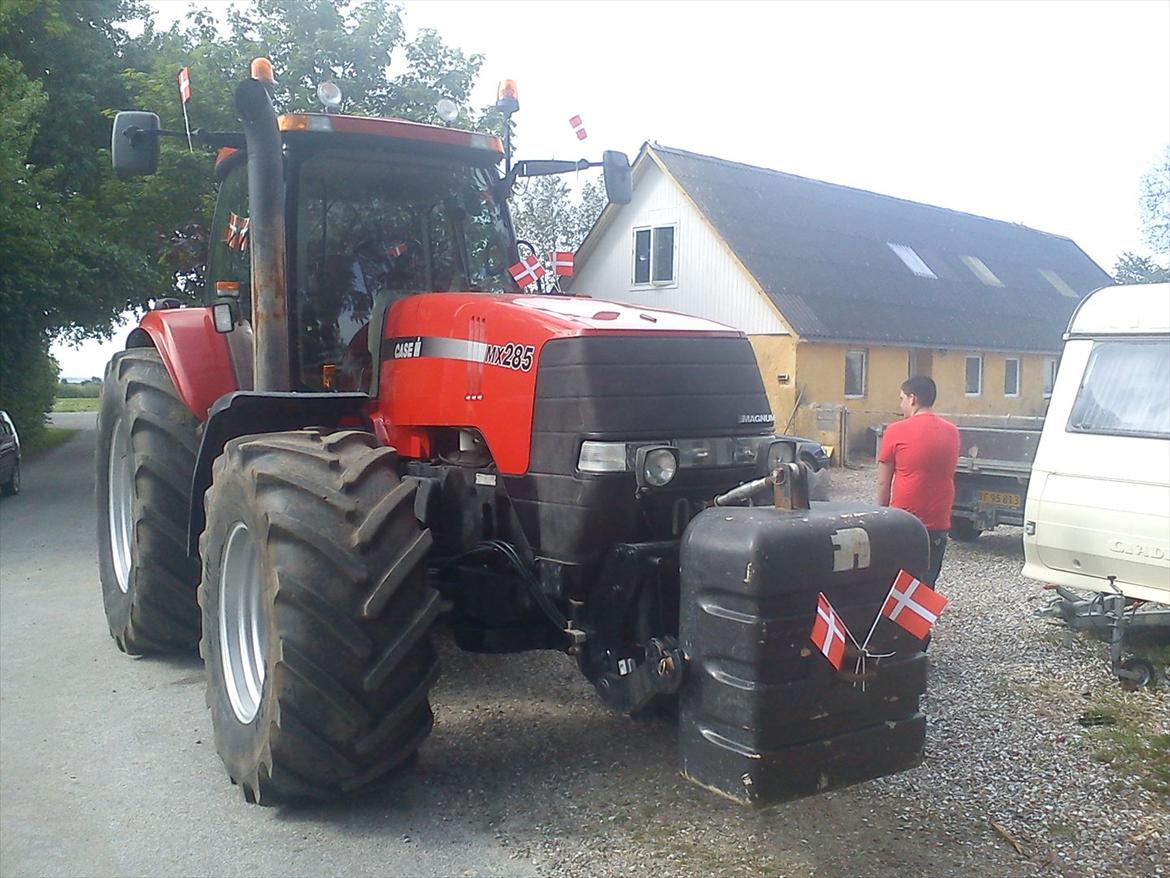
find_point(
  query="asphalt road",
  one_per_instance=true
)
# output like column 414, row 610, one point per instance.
column 107, row 765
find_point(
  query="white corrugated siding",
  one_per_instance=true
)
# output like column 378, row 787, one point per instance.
column 709, row 283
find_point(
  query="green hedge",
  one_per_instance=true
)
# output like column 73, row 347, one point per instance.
column 78, row 391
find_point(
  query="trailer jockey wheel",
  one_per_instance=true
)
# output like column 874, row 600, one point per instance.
column 316, row 614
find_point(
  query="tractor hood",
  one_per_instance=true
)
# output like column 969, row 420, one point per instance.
column 472, row 361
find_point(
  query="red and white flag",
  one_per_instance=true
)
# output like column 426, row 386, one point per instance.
column 561, row 262
column 185, row 85
column 236, row 233
column 396, row 250
column 829, row 632
column 527, row 271
column 578, row 127
column 913, row 605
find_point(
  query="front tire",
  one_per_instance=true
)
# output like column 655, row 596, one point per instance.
column 12, row 487
column 147, row 442
column 316, row 614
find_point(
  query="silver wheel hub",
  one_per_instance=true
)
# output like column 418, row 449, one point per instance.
column 120, row 492
column 243, row 638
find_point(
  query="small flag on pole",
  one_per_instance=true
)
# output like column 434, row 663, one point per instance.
column 236, row 233
column 561, row 262
column 396, row 250
column 527, row 271
column 185, row 85
column 578, row 127
column 829, row 632
column 184, row 97
column 913, row 605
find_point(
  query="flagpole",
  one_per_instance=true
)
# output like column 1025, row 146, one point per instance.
column 878, row 617
column 186, row 123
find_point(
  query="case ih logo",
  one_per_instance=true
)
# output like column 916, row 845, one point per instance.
column 406, row 349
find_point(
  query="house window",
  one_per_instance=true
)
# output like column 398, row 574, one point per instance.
column 981, row 271
column 974, row 376
column 1011, row 377
column 654, row 255
column 855, row 373
column 912, row 260
column 1049, row 376
column 1058, row 283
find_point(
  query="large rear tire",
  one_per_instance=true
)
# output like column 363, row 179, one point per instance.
column 316, row 614
column 147, row 442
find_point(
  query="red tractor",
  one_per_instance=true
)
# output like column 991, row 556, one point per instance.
column 368, row 425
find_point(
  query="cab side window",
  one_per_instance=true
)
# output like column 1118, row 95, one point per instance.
column 229, row 263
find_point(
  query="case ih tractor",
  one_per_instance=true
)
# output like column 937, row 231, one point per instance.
column 368, row 426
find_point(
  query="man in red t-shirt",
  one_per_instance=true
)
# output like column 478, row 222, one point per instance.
column 916, row 466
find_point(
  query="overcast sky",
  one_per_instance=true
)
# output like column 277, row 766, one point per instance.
column 1044, row 113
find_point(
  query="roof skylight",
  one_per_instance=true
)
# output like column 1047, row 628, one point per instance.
column 1058, row 283
column 981, row 271
column 912, row 260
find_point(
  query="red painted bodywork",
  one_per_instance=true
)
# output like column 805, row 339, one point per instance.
column 425, row 392
column 195, row 355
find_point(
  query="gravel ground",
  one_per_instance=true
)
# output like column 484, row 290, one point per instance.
column 572, row 789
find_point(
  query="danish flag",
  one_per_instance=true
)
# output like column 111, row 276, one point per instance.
column 527, row 271
column 913, row 605
column 396, row 250
column 236, row 233
column 185, row 85
column 829, row 632
column 578, row 127
column 561, row 262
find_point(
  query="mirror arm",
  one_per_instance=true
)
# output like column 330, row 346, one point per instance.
column 198, row 135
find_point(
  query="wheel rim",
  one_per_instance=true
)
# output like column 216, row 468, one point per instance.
column 121, row 503
column 243, row 640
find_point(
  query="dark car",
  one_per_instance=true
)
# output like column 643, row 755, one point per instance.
column 811, row 452
column 9, row 456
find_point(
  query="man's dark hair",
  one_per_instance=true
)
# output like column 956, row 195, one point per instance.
column 922, row 387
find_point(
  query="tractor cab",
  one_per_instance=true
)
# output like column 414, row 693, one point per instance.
column 376, row 210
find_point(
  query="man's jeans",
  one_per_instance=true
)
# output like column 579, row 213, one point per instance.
column 938, row 546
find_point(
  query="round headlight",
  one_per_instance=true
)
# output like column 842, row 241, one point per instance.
column 659, row 467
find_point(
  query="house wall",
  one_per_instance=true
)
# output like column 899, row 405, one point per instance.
column 820, row 371
column 708, row 283
column 776, row 356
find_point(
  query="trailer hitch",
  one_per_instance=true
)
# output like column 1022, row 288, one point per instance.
column 636, row 684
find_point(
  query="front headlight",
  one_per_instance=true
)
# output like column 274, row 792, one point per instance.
column 657, row 466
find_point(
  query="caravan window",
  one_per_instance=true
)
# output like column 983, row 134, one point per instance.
column 1124, row 390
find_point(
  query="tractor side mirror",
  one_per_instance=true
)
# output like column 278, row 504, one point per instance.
column 619, row 185
column 134, row 143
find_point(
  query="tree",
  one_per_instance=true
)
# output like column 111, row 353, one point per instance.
column 548, row 217
column 1134, row 269
column 1154, row 203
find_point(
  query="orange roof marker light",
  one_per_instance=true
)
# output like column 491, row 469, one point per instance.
column 508, row 97
column 262, row 70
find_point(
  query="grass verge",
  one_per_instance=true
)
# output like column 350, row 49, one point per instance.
column 75, row 405
column 49, row 437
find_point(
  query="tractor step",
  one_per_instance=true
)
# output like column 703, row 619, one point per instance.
column 763, row 716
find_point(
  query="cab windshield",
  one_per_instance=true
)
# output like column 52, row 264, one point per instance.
column 384, row 227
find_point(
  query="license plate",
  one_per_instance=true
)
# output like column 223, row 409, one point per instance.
column 999, row 498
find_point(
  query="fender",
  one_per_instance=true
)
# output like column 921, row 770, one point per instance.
column 247, row 411
column 196, row 356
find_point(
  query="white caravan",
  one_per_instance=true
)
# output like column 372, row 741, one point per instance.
column 1098, row 505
